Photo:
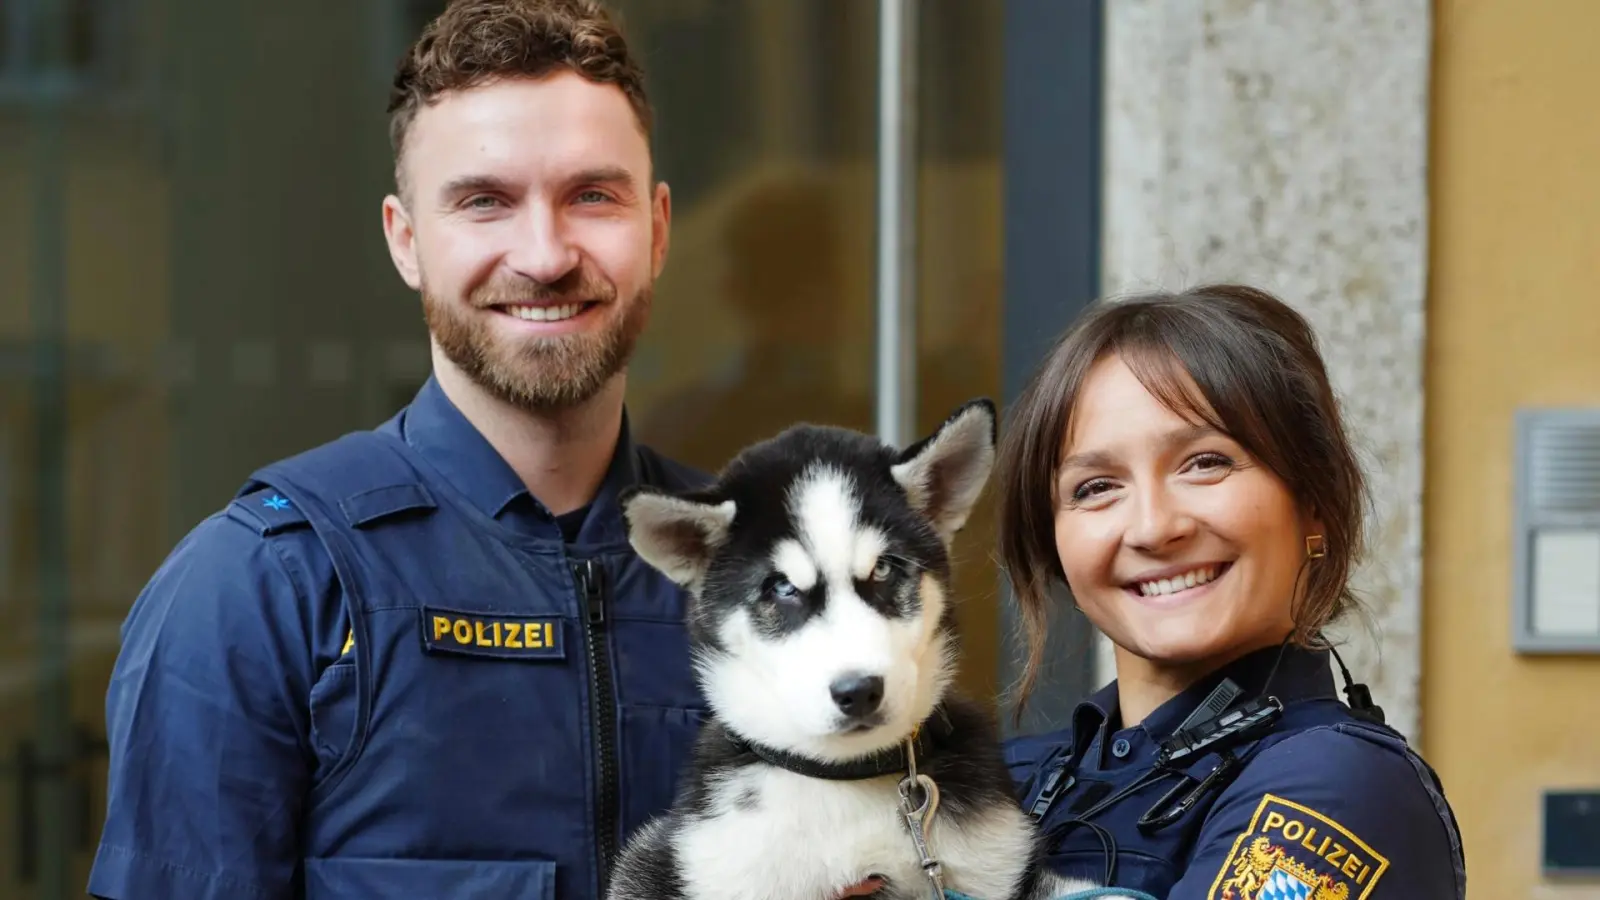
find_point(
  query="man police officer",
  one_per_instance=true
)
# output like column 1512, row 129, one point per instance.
column 421, row 660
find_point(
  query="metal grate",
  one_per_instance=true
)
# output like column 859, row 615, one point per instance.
column 1564, row 466
column 1556, row 591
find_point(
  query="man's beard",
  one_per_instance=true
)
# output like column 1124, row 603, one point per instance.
column 538, row 374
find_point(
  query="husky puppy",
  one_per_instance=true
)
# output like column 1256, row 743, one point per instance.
column 819, row 574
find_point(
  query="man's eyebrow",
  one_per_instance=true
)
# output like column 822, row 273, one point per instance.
column 603, row 175
column 471, row 184
column 1099, row 459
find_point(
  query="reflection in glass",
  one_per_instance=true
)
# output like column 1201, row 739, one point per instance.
column 225, row 297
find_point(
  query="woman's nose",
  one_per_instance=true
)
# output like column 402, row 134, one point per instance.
column 1158, row 520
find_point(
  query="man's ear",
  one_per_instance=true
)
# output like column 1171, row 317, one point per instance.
column 676, row 534
column 660, row 228
column 401, row 238
column 944, row 473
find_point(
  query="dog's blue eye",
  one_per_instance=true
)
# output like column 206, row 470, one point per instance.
column 882, row 570
column 783, row 588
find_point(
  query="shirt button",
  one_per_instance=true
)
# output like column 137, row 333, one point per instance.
column 1120, row 748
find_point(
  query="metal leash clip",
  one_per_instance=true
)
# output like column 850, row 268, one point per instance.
column 919, row 815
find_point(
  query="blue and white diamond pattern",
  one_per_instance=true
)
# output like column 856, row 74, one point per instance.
column 1283, row 886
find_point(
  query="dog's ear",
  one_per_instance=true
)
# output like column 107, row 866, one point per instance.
column 944, row 473
column 676, row 533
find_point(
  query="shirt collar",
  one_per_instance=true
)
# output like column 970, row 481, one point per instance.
column 1302, row 674
column 605, row 523
column 443, row 436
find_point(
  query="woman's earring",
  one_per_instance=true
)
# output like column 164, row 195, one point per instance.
column 1316, row 548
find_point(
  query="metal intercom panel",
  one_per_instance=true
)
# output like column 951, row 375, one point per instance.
column 1556, row 565
column 1570, row 834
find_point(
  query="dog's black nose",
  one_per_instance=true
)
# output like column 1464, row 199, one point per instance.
column 858, row 695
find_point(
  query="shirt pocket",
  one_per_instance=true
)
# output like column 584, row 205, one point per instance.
column 343, row 877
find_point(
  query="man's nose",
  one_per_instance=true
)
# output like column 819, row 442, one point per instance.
column 542, row 249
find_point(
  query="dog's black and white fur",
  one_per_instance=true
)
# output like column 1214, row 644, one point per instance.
column 819, row 571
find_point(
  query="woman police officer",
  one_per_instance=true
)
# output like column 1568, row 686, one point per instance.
column 1179, row 463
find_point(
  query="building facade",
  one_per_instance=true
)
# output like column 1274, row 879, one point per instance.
column 193, row 281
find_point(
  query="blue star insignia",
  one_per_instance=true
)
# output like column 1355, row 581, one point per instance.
column 275, row 502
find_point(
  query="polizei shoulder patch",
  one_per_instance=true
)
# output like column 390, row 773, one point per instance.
column 1293, row 852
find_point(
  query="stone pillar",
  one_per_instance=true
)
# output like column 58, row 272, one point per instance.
column 1284, row 144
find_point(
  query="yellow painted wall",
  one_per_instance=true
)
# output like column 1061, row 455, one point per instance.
column 1514, row 320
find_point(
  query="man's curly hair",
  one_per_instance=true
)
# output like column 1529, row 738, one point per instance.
column 476, row 41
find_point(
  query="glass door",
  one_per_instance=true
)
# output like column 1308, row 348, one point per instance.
column 81, row 429
column 193, row 283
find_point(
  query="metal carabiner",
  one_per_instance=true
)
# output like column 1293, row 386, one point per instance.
column 918, row 817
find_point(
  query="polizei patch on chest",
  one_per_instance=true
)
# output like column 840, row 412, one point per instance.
column 491, row 635
column 1293, row 852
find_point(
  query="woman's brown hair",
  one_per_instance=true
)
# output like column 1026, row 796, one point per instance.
column 1261, row 381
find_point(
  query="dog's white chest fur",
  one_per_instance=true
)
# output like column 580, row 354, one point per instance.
column 774, row 835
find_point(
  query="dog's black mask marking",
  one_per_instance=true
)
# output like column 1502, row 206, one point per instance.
column 727, row 557
column 741, row 573
column 766, row 551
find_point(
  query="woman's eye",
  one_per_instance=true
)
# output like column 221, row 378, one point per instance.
column 1091, row 488
column 1211, row 461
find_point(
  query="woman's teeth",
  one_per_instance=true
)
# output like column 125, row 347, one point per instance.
column 1177, row 583
column 545, row 313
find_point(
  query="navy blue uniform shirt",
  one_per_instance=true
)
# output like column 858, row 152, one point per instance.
column 385, row 670
column 1323, row 806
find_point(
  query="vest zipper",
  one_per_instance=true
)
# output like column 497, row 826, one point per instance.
column 591, row 587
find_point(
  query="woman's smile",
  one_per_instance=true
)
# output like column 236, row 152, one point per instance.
column 1175, row 585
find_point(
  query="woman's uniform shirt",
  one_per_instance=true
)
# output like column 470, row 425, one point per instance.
column 1325, row 805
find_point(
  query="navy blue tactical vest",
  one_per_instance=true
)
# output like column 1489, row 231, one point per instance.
column 509, row 708
column 1338, row 803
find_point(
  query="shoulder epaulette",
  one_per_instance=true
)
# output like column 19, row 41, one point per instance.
column 267, row 511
